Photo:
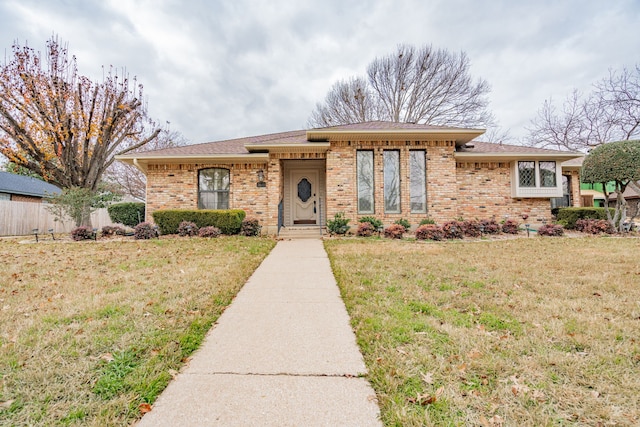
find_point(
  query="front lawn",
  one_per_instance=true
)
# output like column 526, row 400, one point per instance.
column 521, row 332
column 90, row 332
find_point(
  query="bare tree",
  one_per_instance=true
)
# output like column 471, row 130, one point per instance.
column 611, row 112
column 128, row 178
column 411, row 85
column 63, row 126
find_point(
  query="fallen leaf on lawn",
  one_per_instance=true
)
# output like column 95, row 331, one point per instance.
column 108, row 357
column 474, row 354
column 144, row 408
column 496, row 421
column 595, row 394
column 427, row 378
column 173, row 373
column 402, row 351
column 7, row 404
column 597, row 294
column 462, row 368
column 539, row 396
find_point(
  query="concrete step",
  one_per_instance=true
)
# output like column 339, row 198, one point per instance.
column 301, row 232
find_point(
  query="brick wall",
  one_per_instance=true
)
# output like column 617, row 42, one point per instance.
column 441, row 183
column 484, row 191
column 21, row 198
column 175, row 186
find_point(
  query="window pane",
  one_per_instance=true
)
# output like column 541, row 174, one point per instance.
column 547, row 174
column 527, row 174
column 418, row 185
column 391, row 160
column 213, row 188
column 364, row 166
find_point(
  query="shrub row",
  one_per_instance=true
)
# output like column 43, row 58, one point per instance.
column 129, row 214
column 594, row 226
column 228, row 221
column 568, row 217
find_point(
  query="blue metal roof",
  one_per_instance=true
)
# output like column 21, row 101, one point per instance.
column 25, row 185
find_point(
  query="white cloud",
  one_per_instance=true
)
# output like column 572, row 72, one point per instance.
column 230, row 69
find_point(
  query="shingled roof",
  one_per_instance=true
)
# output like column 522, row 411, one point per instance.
column 241, row 146
column 25, row 185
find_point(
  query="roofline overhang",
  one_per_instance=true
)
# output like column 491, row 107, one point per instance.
column 460, row 136
column 515, row 156
column 142, row 161
column 314, row 147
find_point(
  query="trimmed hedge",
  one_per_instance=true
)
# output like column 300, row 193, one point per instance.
column 569, row 216
column 228, row 221
column 129, row 214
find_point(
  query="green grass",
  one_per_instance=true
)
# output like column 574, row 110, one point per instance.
column 90, row 330
column 519, row 332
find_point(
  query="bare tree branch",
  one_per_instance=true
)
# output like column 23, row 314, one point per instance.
column 611, row 112
column 411, row 85
column 63, row 126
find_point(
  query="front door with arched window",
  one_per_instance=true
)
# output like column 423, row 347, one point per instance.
column 304, row 195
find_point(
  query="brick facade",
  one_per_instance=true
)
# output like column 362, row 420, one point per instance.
column 454, row 189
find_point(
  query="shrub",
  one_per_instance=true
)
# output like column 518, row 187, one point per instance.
column 250, row 227
column 510, row 226
column 472, row 228
column 551, row 230
column 394, row 231
column 490, row 226
column 365, row 229
column 405, row 223
column 83, row 233
column 187, row 228
column 429, row 232
column 209, row 231
column 594, row 226
column 129, row 214
column 427, row 221
column 453, row 229
column 569, row 216
column 375, row 222
column 145, row 230
column 339, row 224
column 110, row 230
column 228, row 221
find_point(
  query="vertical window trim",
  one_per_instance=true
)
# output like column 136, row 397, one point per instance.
column 423, row 172
column 555, row 174
column 359, row 187
column 396, row 175
column 227, row 191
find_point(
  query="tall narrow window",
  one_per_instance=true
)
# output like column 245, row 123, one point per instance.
column 213, row 188
column 391, row 159
column 418, row 177
column 364, row 168
column 527, row 174
column 547, row 174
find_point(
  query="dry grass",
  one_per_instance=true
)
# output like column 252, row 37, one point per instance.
column 89, row 331
column 524, row 332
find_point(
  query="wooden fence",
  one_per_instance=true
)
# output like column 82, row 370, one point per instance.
column 20, row 218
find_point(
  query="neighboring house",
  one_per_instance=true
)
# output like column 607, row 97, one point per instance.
column 383, row 169
column 19, row 188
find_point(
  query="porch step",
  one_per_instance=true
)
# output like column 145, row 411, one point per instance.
column 301, row 232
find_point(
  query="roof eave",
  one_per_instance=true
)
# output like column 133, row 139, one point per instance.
column 515, row 156
column 142, row 162
column 313, row 147
column 460, row 136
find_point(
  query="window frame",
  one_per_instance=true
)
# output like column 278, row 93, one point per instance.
column 538, row 190
column 422, row 155
column 389, row 176
column 227, row 191
column 361, row 189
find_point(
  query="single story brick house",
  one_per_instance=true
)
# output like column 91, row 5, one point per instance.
column 382, row 169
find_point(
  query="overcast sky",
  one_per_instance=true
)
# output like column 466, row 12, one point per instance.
column 234, row 68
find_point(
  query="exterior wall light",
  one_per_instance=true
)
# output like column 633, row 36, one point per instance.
column 261, row 182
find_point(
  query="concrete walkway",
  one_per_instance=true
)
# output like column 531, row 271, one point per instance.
column 283, row 354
